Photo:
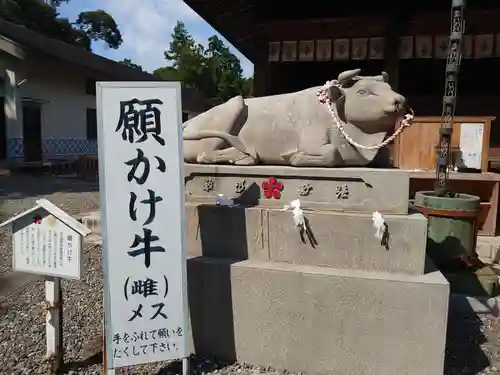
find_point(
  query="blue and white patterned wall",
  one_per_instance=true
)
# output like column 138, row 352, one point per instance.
column 67, row 148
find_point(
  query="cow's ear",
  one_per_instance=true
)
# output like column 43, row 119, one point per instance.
column 335, row 93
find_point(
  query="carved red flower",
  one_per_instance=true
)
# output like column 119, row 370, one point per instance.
column 37, row 220
column 272, row 188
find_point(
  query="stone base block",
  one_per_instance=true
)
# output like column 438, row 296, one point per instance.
column 318, row 320
column 340, row 240
column 341, row 189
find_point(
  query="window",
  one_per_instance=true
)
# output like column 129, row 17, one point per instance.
column 91, row 124
column 90, row 87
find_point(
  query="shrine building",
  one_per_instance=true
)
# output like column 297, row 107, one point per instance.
column 304, row 44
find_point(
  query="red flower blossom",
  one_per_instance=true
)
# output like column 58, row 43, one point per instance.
column 37, row 220
column 272, row 188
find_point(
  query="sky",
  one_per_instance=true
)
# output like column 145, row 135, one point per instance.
column 146, row 29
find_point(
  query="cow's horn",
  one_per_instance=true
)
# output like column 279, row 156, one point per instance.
column 348, row 75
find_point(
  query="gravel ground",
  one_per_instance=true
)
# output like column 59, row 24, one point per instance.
column 473, row 344
column 22, row 331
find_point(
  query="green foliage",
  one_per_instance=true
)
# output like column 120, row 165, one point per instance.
column 57, row 3
column 248, row 86
column 167, row 73
column 43, row 18
column 130, row 64
column 212, row 70
column 99, row 25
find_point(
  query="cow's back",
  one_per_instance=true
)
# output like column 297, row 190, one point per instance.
column 275, row 123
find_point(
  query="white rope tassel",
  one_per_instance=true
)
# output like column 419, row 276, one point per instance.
column 298, row 214
column 323, row 97
column 379, row 225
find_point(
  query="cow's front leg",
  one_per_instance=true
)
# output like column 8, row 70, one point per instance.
column 315, row 150
column 229, row 155
column 325, row 156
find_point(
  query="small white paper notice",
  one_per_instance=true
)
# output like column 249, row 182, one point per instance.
column 471, row 144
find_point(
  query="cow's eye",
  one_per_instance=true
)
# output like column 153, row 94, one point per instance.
column 362, row 92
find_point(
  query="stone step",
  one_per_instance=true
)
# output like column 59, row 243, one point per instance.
column 354, row 322
column 344, row 240
column 488, row 248
column 340, row 240
column 341, row 189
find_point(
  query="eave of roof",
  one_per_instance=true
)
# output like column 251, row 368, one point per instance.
column 234, row 20
column 17, row 40
column 73, row 54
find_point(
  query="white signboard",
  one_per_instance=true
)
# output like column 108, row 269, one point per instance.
column 471, row 144
column 142, row 203
column 42, row 244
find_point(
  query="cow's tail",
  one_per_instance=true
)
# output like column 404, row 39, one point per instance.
column 232, row 140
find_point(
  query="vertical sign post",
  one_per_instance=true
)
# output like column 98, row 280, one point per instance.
column 141, row 181
column 54, row 323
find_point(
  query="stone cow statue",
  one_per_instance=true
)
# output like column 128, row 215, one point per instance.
column 296, row 129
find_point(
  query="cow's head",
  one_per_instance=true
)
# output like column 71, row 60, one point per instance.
column 369, row 103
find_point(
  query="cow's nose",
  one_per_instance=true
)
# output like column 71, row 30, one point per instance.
column 399, row 100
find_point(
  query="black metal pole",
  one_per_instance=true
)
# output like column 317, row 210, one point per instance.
column 444, row 157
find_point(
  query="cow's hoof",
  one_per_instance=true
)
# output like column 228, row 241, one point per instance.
column 246, row 160
column 297, row 159
column 205, row 158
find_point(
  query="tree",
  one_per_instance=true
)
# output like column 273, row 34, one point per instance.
column 248, row 86
column 214, row 70
column 99, row 25
column 223, row 69
column 186, row 56
column 57, row 3
column 129, row 63
column 43, row 18
column 167, row 73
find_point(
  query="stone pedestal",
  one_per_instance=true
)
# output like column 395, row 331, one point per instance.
column 344, row 302
column 340, row 189
column 318, row 320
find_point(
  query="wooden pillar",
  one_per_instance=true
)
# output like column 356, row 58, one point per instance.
column 395, row 30
column 261, row 69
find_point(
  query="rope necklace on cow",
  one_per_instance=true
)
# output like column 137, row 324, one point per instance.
column 324, row 98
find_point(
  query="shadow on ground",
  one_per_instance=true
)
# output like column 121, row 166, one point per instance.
column 78, row 365
column 18, row 193
column 24, row 186
column 201, row 366
column 465, row 346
